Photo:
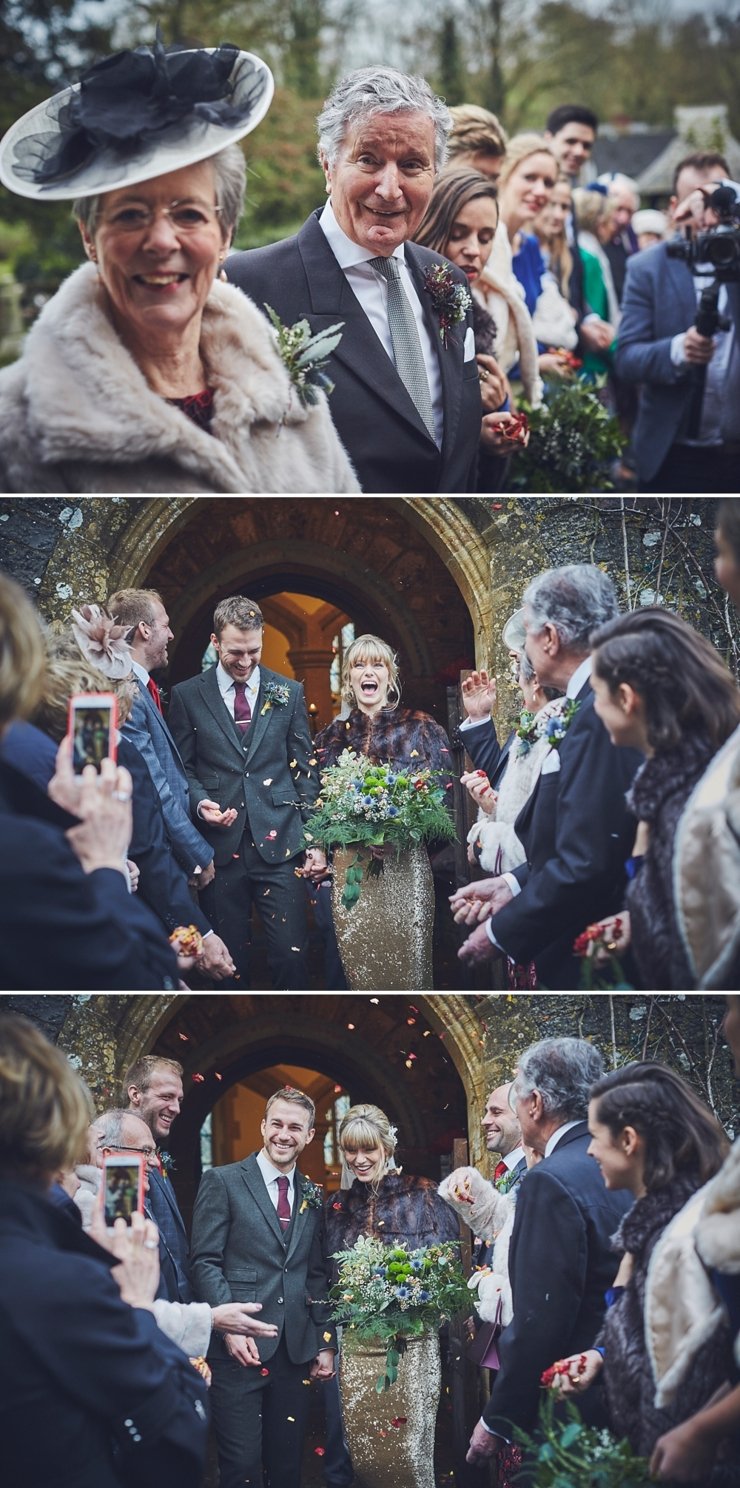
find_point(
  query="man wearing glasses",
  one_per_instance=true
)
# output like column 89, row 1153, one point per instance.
column 123, row 1131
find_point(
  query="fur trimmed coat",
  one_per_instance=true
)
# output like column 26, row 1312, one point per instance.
column 490, row 1215
column 405, row 1211
column 629, row 1381
column 658, row 796
column 401, row 735
column 708, row 852
column 503, row 297
column 500, row 850
column 77, row 415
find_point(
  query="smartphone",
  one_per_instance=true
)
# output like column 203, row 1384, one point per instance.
column 122, row 1186
column 93, row 719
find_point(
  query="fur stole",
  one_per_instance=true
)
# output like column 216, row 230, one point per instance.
column 400, row 735
column 503, row 297
column 76, row 413
column 404, row 1211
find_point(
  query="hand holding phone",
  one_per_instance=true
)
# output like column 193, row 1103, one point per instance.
column 122, row 1188
column 93, row 719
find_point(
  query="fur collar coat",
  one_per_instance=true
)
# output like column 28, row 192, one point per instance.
column 503, row 297
column 402, row 735
column 658, row 796
column 77, row 415
column 404, row 1211
column 708, row 852
column 629, row 1378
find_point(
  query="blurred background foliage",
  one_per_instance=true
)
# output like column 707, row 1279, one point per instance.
column 632, row 59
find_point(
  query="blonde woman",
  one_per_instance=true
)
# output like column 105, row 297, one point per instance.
column 385, row 939
column 377, row 1199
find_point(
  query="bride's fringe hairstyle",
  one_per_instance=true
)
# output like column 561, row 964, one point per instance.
column 362, row 1129
column 370, row 648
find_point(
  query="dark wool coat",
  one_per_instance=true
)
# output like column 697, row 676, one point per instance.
column 628, row 1378
column 399, row 735
column 405, row 1211
column 659, row 792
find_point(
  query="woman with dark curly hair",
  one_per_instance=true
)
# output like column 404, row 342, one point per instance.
column 663, row 689
column 651, row 1135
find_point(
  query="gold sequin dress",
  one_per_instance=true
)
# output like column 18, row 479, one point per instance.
column 385, row 938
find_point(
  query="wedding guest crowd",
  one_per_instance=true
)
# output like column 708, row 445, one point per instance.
column 348, row 359
column 607, row 1268
column 596, row 818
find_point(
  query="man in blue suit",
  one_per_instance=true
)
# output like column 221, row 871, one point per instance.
column 152, row 1089
column 686, row 437
column 144, row 612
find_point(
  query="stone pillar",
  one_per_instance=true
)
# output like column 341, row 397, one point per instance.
column 311, row 666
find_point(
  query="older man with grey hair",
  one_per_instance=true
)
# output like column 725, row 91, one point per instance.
column 406, row 396
column 560, row 1257
column 575, row 827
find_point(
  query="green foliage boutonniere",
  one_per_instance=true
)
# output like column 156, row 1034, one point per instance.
column 312, row 1195
column 305, row 355
column 276, row 695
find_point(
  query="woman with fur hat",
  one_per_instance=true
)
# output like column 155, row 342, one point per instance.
column 145, row 372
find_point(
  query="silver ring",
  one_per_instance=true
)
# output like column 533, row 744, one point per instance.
column 151, row 1245
column 121, row 795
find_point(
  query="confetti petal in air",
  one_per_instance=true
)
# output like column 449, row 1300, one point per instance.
column 199, row 1079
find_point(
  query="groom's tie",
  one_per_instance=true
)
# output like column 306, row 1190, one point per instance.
column 283, row 1206
column 407, row 350
column 242, row 710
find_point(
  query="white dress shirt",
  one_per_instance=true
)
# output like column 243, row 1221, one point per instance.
column 552, row 1141
column 227, row 688
column 271, row 1174
column 371, row 289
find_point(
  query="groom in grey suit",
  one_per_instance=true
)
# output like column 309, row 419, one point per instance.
column 244, row 738
column 258, row 1237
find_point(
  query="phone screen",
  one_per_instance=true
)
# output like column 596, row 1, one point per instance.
column 123, row 1187
column 92, row 726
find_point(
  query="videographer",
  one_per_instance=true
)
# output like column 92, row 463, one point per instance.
column 687, row 433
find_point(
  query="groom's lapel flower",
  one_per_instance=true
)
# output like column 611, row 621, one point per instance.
column 450, row 300
column 275, row 695
column 312, row 1195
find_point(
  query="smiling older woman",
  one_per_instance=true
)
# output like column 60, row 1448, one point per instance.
column 145, row 372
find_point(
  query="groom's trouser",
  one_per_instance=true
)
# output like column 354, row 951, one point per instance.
column 260, row 1419
column 279, row 897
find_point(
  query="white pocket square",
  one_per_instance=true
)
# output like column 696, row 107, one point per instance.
column 552, row 763
column 469, row 347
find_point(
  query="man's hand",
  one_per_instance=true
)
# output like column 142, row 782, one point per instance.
column 210, row 812
column 215, row 958
column 478, row 948
column 237, row 1318
column 315, row 865
column 683, row 1455
column 697, row 350
column 244, row 1350
column 477, row 901
column 323, row 1365
column 133, row 874
column 206, row 876
column 479, row 695
column 483, row 1446
column 596, row 334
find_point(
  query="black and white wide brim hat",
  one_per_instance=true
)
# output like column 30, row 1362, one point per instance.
column 134, row 116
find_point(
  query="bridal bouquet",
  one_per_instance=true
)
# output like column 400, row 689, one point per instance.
column 380, row 805
column 566, row 1453
column 387, row 1294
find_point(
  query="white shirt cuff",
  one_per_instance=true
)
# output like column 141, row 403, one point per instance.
column 473, row 723
column 513, row 883
column 677, row 356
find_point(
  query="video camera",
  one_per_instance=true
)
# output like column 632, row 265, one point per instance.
column 718, row 248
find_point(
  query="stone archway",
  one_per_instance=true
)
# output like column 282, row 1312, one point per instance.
column 221, row 1039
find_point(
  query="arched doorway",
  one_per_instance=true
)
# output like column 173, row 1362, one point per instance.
column 419, row 1058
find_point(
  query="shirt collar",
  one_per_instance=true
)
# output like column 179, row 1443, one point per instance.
column 552, row 1141
column 580, row 675
column 270, row 1172
column 225, row 682
column 513, row 1158
column 348, row 253
column 139, row 671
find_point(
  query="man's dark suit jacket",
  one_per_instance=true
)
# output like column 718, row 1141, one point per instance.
column 266, row 775
column 560, row 1264
column 174, row 1279
column 577, row 834
column 481, row 743
column 62, row 929
column 92, row 1393
column 240, row 1253
column 376, row 420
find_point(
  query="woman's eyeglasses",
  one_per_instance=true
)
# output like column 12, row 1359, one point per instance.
column 184, row 216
